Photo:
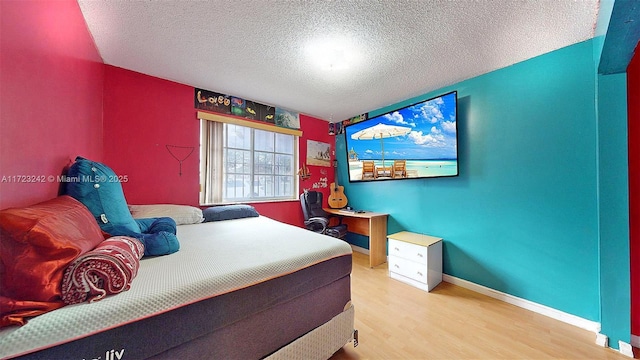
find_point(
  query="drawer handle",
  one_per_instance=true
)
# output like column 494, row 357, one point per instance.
column 396, row 249
column 420, row 255
column 396, row 266
column 419, row 273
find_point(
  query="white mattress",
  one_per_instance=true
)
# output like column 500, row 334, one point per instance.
column 214, row 258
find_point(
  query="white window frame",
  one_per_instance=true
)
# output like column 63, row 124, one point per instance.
column 214, row 149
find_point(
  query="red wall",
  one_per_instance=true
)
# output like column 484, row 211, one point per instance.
column 51, row 79
column 633, row 101
column 290, row 212
column 143, row 114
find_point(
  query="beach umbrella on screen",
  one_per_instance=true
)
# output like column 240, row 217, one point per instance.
column 381, row 131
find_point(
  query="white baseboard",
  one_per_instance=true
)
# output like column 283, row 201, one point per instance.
column 625, row 349
column 359, row 249
column 635, row 341
column 602, row 340
column 526, row 304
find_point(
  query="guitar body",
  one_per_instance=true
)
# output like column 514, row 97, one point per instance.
column 337, row 198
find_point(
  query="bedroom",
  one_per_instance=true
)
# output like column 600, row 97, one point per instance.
column 59, row 100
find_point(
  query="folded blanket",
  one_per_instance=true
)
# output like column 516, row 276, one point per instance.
column 107, row 269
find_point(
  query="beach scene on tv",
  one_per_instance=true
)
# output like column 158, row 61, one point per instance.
column 416, row 141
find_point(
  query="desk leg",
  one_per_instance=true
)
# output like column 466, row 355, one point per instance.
column 377, row 240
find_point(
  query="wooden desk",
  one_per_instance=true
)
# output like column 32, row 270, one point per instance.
column 371, row 224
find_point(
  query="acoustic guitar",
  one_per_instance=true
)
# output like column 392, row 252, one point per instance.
column 337, row 198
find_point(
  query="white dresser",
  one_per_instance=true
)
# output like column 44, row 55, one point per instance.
column 415, row 259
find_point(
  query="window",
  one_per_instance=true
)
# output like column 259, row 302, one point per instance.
column 241, row 163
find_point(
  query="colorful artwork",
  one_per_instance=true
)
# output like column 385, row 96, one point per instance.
column 232, row 105
column 212, row 101
column 288, row 119
column 268, row 114
column 261, row 112
column 238, row 107
column 355, row 119
column 318, row 153
column 251, row 111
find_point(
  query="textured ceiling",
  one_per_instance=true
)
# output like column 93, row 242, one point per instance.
column 331, row 59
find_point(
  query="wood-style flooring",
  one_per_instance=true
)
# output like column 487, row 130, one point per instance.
column 397, row 321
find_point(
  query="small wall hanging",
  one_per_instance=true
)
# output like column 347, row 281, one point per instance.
column 304, row 172
column 181, row 153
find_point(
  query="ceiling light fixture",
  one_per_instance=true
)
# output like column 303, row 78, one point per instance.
column 331, row 55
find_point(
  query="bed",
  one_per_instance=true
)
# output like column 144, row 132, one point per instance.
column 245, row 288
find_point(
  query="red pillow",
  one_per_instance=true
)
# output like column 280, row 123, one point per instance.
column 37, row 243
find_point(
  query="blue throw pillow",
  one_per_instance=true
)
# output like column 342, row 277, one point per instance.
column 228, row 212
column 97, row 187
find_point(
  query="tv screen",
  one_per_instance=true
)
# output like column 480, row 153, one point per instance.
column 416, row 141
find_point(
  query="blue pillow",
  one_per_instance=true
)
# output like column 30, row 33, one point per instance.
column 229, row 212
column 97, row 187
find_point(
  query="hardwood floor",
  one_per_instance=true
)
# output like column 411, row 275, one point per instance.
column 397, row 321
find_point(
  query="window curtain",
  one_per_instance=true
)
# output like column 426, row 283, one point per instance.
column 211, row 162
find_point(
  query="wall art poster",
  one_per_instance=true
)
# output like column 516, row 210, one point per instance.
column 355, row 119
column 257, row 111
column 233, row 105
column 238, row 106
column 318, row 153
column 212, row 101
column 288, row 119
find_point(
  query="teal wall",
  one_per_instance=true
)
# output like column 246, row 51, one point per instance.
column 602, row 25
column 613, row 187
column 522, row 217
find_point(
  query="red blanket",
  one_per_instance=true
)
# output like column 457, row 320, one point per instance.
column 107, row 269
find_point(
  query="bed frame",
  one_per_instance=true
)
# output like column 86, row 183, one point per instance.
column 303, row 314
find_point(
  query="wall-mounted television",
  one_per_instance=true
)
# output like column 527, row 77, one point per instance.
column 416, row 141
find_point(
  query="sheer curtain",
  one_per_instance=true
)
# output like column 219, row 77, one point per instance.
column 211, row 170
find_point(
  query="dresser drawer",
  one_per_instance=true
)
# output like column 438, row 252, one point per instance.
column 410, row 269
column 408, row 251
column 415, row 259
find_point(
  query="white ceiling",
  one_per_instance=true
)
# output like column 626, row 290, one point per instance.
column 375, row 53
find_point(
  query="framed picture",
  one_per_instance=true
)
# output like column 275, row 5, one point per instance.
column 288, row 119
column 318, row 153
